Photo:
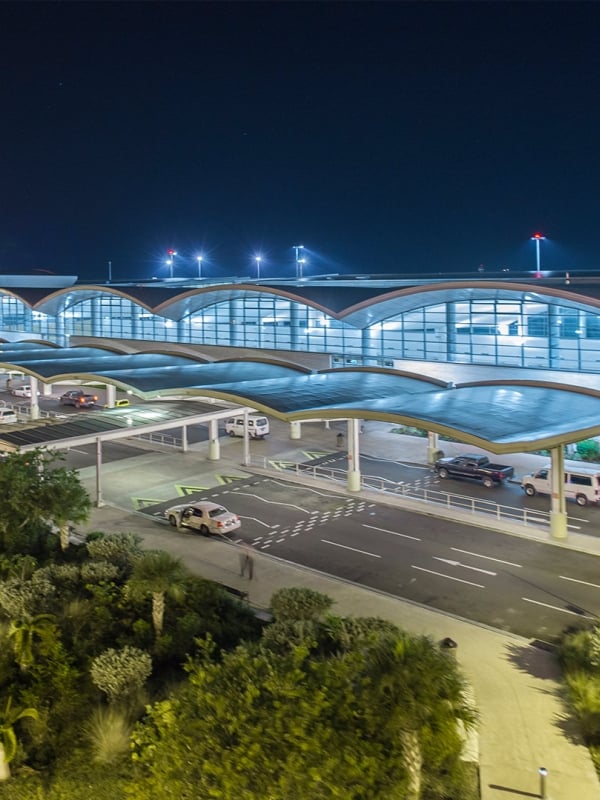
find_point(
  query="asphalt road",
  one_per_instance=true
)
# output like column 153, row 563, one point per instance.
column 502, row 581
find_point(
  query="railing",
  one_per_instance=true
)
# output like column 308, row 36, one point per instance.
column 161, row 438
column 472, row 505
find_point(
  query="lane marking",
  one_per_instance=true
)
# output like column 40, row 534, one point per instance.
column 464, row 566
column 488, row 558
column 270, row 502
column 394, row 533
column 307, row 489
column 345, row 546
column 260, row 522
column 555, row 608
column 574, row 580
column 450, row 577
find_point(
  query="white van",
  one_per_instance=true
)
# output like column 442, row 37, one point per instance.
column 8, row 416
column 258, row 426
column 582, row 483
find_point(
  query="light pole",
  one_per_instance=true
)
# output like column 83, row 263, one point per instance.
column 537, row 238
column 171, row 260
column 199, row 260
column 299, row 261
column 258, row 259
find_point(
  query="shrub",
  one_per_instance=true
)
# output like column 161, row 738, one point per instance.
column 585, row 698
column 108, row 733
column 121, row 673
column 589, row 450
column 297, row 604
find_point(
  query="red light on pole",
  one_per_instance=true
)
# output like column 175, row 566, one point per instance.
column 537, row 238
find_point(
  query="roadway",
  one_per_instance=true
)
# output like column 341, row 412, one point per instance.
column 506, row 582
column 514, row 584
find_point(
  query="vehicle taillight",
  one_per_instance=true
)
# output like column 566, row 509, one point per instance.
column 219, row 524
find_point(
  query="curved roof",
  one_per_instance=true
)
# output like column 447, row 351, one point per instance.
column 357, row 302
column 501, row 416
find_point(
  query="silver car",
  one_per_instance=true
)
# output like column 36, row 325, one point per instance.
column 203, row 516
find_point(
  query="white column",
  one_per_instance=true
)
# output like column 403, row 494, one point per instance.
column 99, row 501
column 35, row 406
column 432, row 447
column 184, row 439
column 46, row 389
column 558, row 507
column 214, row 447
column 246, row 441
column 295, row 430
column 354, row 484
column 111, row 395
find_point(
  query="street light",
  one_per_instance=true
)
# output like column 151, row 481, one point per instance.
column 171, row 260
column 537, row 238
column 258, row 259
column 199, row 260
column 299, row 261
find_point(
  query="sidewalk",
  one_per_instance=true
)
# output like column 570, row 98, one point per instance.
column 524, row 724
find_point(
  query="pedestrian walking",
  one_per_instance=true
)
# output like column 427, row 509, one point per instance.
column 246, row 562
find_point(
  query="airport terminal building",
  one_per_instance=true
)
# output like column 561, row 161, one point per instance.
column 541, row 321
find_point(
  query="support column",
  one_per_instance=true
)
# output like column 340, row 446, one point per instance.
column 450, row 332
column 35, row 406
column 46, row 389
column 111, row 395
column 135, row 321
column 60, row 330
column 432, row 447
column 96, row 309
column 294, row 325
column 246, row 441
column 184, row 439
column 354, row 484
column 214, row 446
column 99, row 501
column 236, row 322
column 295, row 430
column 558, row 507
column 553, row 337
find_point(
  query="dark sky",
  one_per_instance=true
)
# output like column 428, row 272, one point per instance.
column 385, row 137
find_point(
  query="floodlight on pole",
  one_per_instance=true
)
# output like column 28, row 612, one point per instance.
column 199, row 260
column 299, row 261
column 171, row 260
column 258, row 259
column 537, row 238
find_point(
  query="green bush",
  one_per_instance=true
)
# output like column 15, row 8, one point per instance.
column 575, row 652
column 584, row 692
column 588, row 450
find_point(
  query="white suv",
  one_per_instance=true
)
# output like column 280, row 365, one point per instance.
column 204, row 517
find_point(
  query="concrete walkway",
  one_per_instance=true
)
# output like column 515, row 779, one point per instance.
column 524, row 723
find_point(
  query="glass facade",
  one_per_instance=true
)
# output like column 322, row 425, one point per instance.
column 517, row 332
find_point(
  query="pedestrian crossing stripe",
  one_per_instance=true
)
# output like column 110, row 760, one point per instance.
column 223, row 479
column 281, row 465
column 183, row 490
column 143, row 502
column 310, row 454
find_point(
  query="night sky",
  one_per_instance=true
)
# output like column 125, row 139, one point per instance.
column 385, row 137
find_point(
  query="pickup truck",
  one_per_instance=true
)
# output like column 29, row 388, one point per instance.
column 78, row 398
column 474, row 466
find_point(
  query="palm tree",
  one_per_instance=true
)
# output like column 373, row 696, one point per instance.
column 417, row 688
column 8, row 744
column 157, row 574
column 25, row 633
column 65, row 500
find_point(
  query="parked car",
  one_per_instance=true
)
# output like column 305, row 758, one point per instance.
column 472, row 465
column 78, row 398
column 8, row 416
column 203, row 516
column 22, row 391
